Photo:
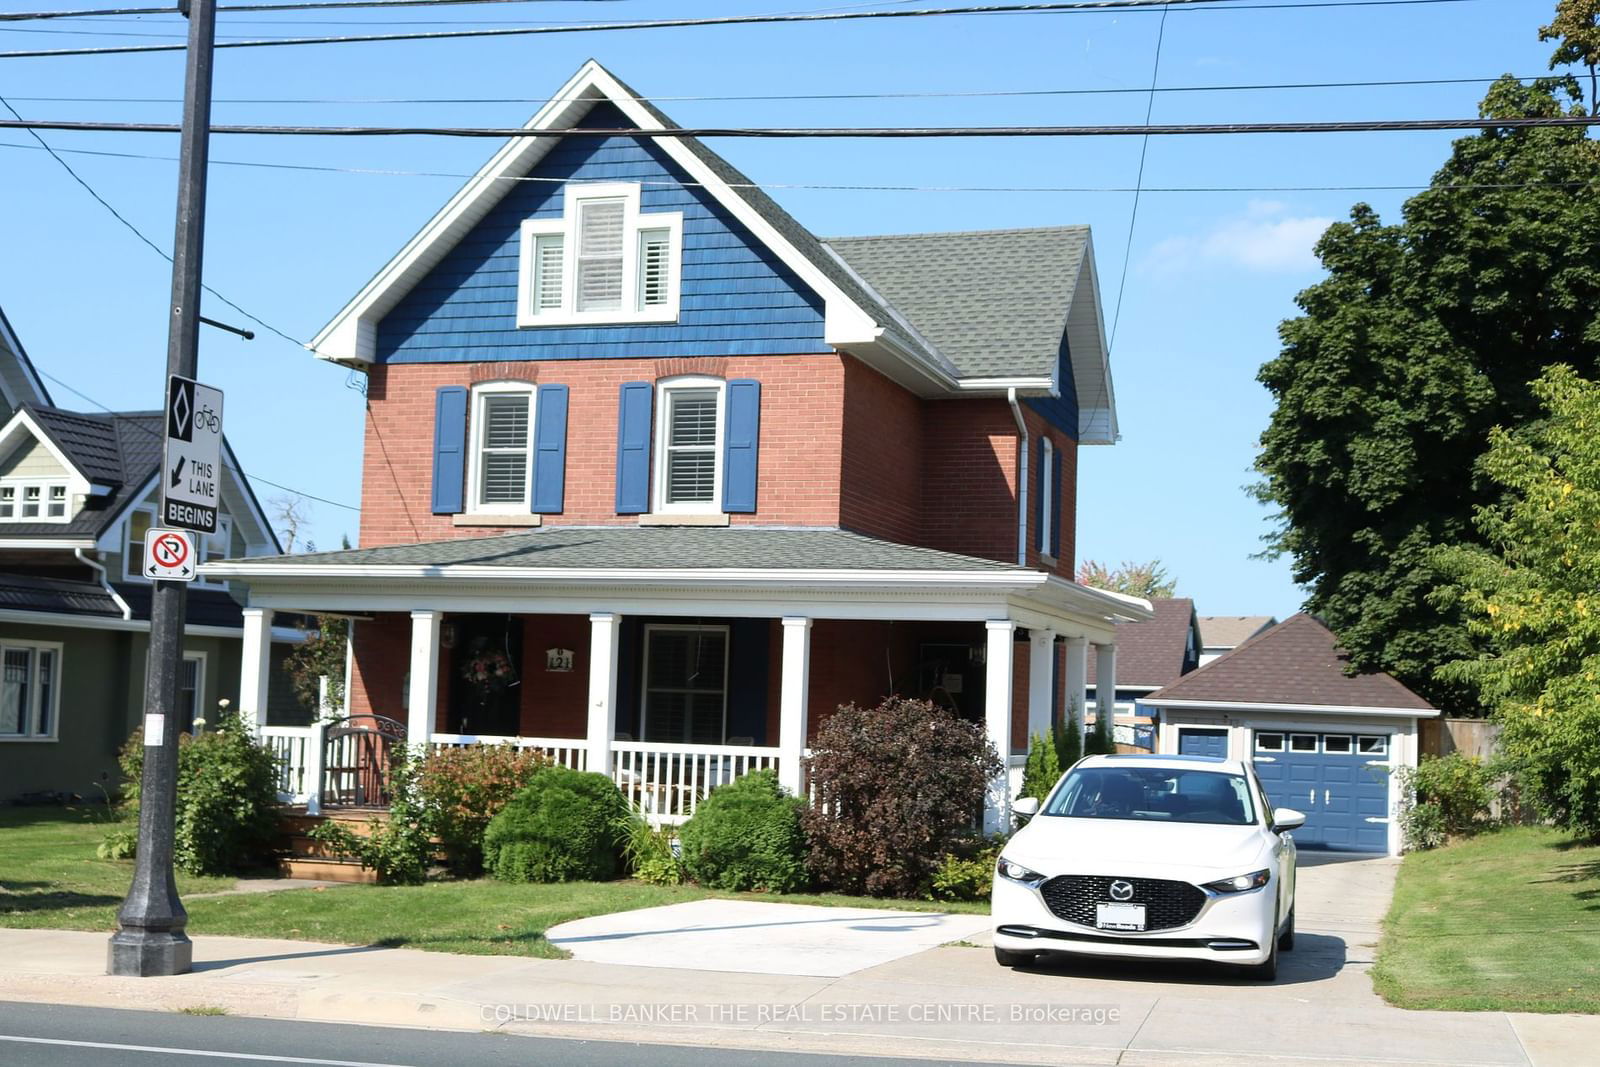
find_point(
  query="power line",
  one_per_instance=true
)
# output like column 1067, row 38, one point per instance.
column 1138, row 181
column 81, row 395
column 836, row 132
column 821, row 187
column 1066, row 6
column 309, row 5
column 928, row 94
column 163, row 253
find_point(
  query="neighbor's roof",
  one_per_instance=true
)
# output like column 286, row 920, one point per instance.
column 1041, row 281
column 654, row 548
column 1298, row 663
column 19, row 381
column 1231, row 631
column 1153, row 653
column 117, row 451
column 62, row 596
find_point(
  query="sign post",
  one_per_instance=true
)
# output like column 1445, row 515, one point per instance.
column 150, row 938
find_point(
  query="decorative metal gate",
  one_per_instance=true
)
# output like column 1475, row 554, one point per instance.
column 355, row 761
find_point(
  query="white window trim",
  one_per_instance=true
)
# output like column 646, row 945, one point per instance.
column 658, row 487
column 44, row 484
column 31, row 713
column 480, row 392
column 633, row 221
column 200, row 709
column 1047, row 469
column 652, row 629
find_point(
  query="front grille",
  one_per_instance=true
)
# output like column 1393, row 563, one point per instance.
column 1167, row 904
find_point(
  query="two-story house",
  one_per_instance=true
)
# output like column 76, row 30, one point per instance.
column 655, row 478
column 77, row 495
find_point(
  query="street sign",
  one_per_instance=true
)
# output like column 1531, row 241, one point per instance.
column 191, row 478
column 169, row 555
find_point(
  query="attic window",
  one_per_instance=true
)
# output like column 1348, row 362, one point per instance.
column 602, row 261
column 33, row 500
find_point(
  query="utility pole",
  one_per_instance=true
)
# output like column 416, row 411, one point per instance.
column 150, row 938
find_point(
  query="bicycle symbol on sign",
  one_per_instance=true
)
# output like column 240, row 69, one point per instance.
column 206, row 419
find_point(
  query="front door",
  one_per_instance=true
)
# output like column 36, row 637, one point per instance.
column 485, row 675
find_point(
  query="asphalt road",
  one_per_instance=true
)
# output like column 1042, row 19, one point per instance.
column 50, row 1035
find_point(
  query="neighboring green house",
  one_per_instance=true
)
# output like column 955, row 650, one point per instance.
column 77, row 493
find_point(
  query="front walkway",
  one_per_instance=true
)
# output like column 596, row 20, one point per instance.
column 951, row 1002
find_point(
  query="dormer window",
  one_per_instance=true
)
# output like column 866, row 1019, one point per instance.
column 33, row 501
column 603, row 261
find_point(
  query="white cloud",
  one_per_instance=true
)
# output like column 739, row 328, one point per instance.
column 1262, row 238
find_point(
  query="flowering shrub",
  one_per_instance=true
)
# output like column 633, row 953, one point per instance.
column 896, row 787
column 461, row 789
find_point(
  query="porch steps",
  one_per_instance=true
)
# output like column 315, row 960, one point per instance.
column 301, row 856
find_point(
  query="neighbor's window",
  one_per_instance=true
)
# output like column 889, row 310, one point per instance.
column 689, row 440
column 686, row 684
column 603, row 260
column 215, row 546
column 139, row 523
column 191, row 687
column 30, row 675
column 502, row 447
column 33, row 501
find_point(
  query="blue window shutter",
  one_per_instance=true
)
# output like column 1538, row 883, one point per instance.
column 550, row 450
column 449, row 449
column 633, row 448
column 741, row 441
column 1038, row 494
column 1057, row 492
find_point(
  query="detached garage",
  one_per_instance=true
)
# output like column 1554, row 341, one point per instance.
column 1323, row 742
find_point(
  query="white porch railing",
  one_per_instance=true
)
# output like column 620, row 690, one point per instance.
column 567, row 751
column 665, row 782
column 291, row 747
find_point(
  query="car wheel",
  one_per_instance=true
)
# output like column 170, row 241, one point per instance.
column 1267, row 970
column 1006, row 958
column 1286, row 939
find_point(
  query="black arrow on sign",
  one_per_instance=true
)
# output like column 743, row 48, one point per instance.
column 177, row 472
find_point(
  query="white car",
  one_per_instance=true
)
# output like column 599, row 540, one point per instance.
column 1152, row 857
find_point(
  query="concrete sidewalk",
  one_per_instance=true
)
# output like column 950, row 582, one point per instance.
column 951, row 1002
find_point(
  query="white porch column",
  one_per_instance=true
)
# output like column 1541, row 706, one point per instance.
column 997, row 720
column 422, row 710
column 1041, row 681
column 603, row 633
column 1075, row 701
column 255, row 667
column 793, row 702
column 1105, row 684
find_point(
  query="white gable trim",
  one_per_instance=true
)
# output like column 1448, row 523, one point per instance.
column 1294, row 709
column 350, row 337
column 24, row 423
column 9, row 341
column 1091, row 357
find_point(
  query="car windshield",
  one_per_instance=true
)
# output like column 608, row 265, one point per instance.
column 1154, row 794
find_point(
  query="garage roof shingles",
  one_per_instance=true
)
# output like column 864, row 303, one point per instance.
column 1296, row 662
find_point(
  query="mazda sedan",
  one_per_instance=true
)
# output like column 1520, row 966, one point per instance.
column 1150, row 857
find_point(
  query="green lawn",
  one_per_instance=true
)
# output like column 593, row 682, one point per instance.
column 1508, row 921
column 50, row 877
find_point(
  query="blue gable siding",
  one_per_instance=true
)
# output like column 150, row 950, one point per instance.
column 1061, row 411
column 736, row 297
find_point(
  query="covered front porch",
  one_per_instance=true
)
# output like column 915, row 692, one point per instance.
column 670, row 679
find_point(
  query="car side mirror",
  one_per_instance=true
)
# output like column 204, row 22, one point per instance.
column 1287, row 819
column 1025, row 808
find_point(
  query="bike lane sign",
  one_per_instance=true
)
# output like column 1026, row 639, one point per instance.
column 169, row 556
column 191, row 473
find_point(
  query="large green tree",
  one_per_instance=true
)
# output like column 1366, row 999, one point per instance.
column 1576, row 31
column 1423, row 337
column 1533, row 594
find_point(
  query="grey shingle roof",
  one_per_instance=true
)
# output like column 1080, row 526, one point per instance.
column 1298, row 661
column 998, row 300
column 1230, row 631
column 90, row 441
column 121, row 450
column 664, row 548
column 19, row 592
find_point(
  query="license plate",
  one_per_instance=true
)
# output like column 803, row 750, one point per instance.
column 1119, row 916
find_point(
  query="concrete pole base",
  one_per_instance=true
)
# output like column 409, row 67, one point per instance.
column 149, row 954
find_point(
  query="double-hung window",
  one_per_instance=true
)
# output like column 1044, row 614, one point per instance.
column 689, row 446
column 501, row 462
column 30, row 679
column 686, row 684
column 1047, row 488
column 603, row 260
column 191, row 689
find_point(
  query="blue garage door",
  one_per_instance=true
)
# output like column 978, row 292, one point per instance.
column 1332, row 779
column 1192, row 742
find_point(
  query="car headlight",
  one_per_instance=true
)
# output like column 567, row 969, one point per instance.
column 1242, row 883
column 1016, row 872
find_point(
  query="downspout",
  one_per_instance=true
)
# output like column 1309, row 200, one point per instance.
column 100, row 569
column 1022, row 478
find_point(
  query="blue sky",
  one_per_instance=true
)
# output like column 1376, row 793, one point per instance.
column 1209, row 277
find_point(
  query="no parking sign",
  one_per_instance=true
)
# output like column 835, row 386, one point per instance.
column 169, row 555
